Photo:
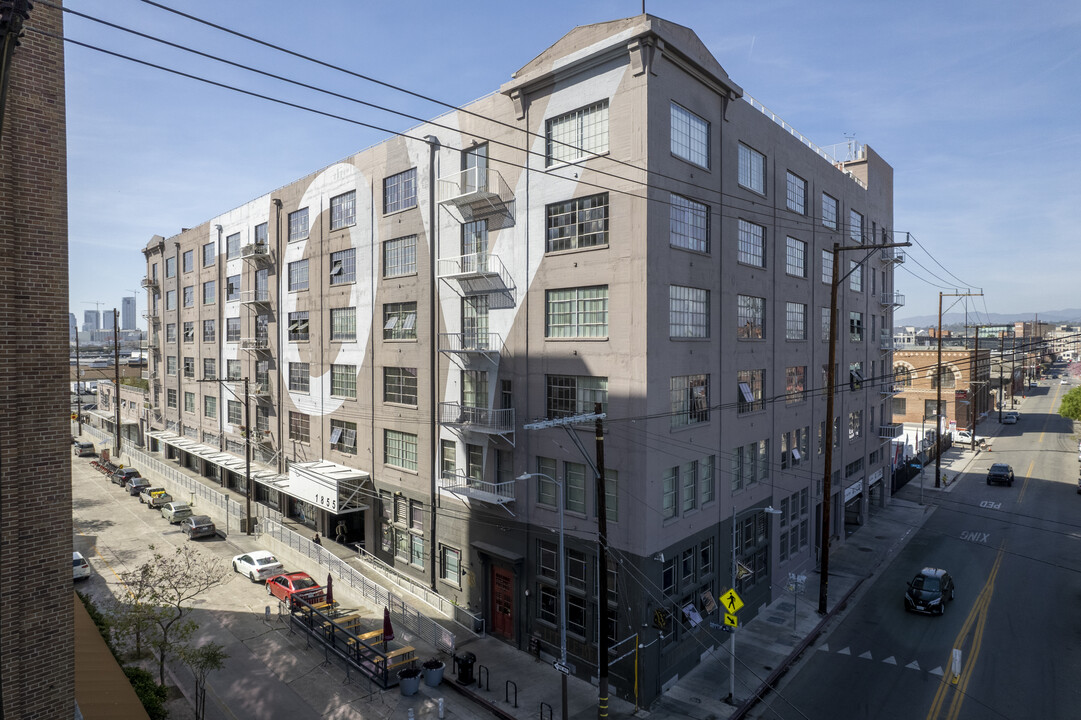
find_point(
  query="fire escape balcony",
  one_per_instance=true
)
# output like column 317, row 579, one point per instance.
column 475, row 192
column 468, row 343
column 251, row 297
column 152, row 317
column 491, row 421
column 260, row 252
column 149, row 283
column 885, row 340
column 891, row 431
column 894, row 299
column 892, row 255
column 495, row 493
column 256, row 343
column 890, row 390
column 475, row 273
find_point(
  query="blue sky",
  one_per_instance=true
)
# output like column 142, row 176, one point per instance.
column 974, row 104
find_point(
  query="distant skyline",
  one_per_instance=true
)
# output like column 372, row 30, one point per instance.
column 973, row 104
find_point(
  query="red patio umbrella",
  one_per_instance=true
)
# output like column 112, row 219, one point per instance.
column 388, row 629
column 330, row 590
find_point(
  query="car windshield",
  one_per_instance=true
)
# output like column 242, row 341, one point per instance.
column 268, row 560
column 302, row 583
column 928, row 584
column 201, row 520
column 999, row 468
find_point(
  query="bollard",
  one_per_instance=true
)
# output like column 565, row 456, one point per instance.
column 440, row 701
column 410, row 713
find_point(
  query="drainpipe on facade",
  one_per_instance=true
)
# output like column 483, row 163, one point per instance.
column 433, row 364
column 219, row 329
column 277, row 310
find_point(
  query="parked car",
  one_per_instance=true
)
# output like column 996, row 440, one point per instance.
column 1013, row 413
column 287, row 586
column 83, row 449
column 79, row 566
column 155, row 497
column 1008, row 419
column 965, row 438
column 1000, row 473
column 929, row 591
column 174, row 512
column 122, row 475
column 136, row 485
column 198, row 526
column 1063, row 381
column 260, row 565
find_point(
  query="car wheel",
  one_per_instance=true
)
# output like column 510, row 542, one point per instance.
column 942, row 608
column 988, row 481
column 253, row 578
column 951, row 593
column 234, row 568
column 268, row 591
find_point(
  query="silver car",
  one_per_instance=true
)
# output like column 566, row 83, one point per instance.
column 174, row 512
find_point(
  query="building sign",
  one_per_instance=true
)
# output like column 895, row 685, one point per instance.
column 853, row 490
column 876, row 476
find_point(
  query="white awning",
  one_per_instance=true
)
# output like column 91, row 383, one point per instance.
column 337, row 488
column 110, row 417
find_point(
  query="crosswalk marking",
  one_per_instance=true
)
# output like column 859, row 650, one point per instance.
column 846, row 651
column 937, row 671
column 890, row 660
column 866, row 655
column 913, row 665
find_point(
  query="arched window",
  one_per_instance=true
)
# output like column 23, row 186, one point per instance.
column 948, row 379
column 902, row 376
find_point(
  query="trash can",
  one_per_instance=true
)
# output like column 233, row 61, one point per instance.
column 464, row 666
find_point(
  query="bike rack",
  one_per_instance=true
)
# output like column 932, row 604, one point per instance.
column 506, row 692
column 483, row 676
column 545, row 705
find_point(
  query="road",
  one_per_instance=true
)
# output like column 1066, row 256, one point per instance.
column 1015, row 553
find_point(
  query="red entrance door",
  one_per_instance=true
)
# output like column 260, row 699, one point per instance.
column 502, row 602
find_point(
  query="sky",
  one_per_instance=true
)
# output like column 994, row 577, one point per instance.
column 974, row 104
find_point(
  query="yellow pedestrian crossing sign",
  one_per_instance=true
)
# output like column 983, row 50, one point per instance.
column 731, row 602
column 731, row 620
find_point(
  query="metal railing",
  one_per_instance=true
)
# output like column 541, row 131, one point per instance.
column 470, row 342
column 479, row 419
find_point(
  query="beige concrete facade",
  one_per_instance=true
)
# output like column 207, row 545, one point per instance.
column 610, row 269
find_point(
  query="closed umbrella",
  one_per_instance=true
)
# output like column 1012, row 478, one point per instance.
column 388, row 629
column 330, row 590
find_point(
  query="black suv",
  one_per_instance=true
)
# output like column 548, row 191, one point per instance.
column 929, row 591
column 1000, row 473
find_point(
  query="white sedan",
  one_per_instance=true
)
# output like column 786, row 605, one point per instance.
column 257, row 565
column 1009, row 419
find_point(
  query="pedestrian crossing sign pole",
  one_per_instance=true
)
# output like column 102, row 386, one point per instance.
column 731, row 620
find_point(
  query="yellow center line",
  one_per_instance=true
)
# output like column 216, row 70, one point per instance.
column 1024, row 485
column 977, row 613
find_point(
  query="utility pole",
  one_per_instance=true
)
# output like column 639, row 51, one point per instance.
column 1001, row 362
column 824, row 552
column 602, row 570
column 116, row 380
column 938, row 385
column 78, row 382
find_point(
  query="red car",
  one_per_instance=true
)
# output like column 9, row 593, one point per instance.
column 289, row 585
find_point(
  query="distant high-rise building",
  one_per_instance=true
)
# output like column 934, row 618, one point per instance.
column 127, row 313
column 107, row 321
column 91, row 320
column 73, row 326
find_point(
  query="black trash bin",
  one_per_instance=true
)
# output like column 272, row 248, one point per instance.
column 464, row 666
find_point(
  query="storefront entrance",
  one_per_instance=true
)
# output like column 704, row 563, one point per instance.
column 502, row 602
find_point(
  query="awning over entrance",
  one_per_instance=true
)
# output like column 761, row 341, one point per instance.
column 213, row 455
column 110, row 417
column 328, row 485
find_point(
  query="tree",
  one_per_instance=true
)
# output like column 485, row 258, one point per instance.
column 167, row 585
column 202, row 661
column 133, row 614
column 1071, row 405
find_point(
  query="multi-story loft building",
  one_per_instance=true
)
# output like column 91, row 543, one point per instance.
column 618, row 226
column 967, row 393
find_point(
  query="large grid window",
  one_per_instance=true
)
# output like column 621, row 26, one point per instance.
column 752, row 169
column 210, row 368
column 208, row 331
column 796, row 194
column 750, row 386
column 795, row 257
column 825, row 334
column 209, row 292
column 170, row 398
column 170, row 267
column 234, row 411
column 188, row 259
column 170, row 365
column 189, row 331
column 574, row 487
column 170, row 332
column 577, row 134
column 210, row 407
column 400, row 256
column 209, row 256
column 400, row 321
column 688, row 223
column 232, row 329
column 343, row 210
column 855, row 226
column 189, row 402
column 575, row 394
column 855, row 327
column 343, row 436
column 855, row 276
column 298, row 275
column 299, row 377
column 689, row 395
column 298, row 326
column 752, row 244
column 576, row 312
column 232, row 288
column 298, row 225
column 232, row 369
column 795, row 383
column 343, row 381
column 343, row 267
column 170, row 299
column 262, row 284
column 400, row 449
column 750, row 317
column 232, row 246
column 343, row 324
column 688, row 312
column 299, row 427
column 829, row 211
column 795, row 327
column 690, row 136
column 827, row 267
column 577, row 223
column 262, row 233
column 400, row 385
column 400, row 191
column 189, row 296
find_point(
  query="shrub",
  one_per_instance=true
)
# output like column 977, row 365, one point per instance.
column 151, row 695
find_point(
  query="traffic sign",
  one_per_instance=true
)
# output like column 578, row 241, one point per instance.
column 731, row 620
column 731, row 601
column 562, row 667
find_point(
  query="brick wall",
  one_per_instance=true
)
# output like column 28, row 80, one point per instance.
column 36, row 637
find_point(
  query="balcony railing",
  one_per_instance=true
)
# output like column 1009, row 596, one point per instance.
column 891, row 431
column 259, row 390
column 149, row 283
column 885, row 340
column 473, row 187
column 255, row 251
column 892, row 255
column 497, row 493
column 889, row 390
column 894, row 299
column 476, row 272
column 152, row 316
column 484, row 343
column 252, row 297
column 477, row 419
column 257, row 343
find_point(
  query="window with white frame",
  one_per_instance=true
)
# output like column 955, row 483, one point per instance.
column 400, row 321
column 750, row 317
column 827, row 267
column 170, row 299
column 208, row 331
column 210, row 369
column 210, row 407
column 232, row 369
column 400, row 256
column 189, row 402
column 189, row 331
column 343, row 324
column 688, row 224
column 829, row 211
column 298, row 225
column 170, row 332
column 400, row 191
column 855, row 276
column 706, row 488
column 262, row 284
column 752, row 244
column 576, row 312
column 343, row 267
column 855, row 327
column 574, row 487
column 400, row 385
column 299, row 377
column 670, row 493
column 343, row 210
column 750, row 387
column 574, row 394
column 189, row 296
column 855, row 226
column 450, row 564
column 688, row 312
column 343, row 436
column 752, row 169
column 824, row 335
column 298, row 275
column 298, row 326
column 232, row 246
column 578, row 134
column 170, row 365
column 232, row 288
column 299, row 427
column 188, row 259
column 209, row 256
column 235, row 412
column 689, row 397
column 795, row 321
column 795, row 257
column 690, row 136
column 400, row 449
column 577, row 223
column 795, row 383
column 262, row 233
column 796, row 195
column 689, row 486
column 343, row 381
column 170, row 267
column 170, row 398
column 232, row 329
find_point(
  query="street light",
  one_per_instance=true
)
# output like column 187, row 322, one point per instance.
column 562, row 664
column 769, row 510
